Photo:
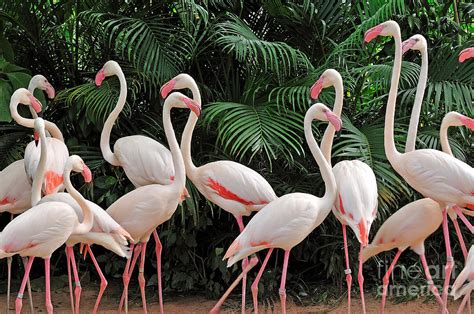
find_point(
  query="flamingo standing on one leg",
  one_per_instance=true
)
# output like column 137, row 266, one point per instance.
column 467, row 274
column 234, row 187
column 142, row 210
column 45, row 227
column 356, row 205
column 466, row 54
column 432, row 173
column 288, row 220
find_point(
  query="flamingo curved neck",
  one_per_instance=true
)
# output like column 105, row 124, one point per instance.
column 88, row 220
column 389, row 141
column 415, row 115
column 31, row 88
column 178, row 163
column 187, row 135
column 443, row 135
column 109, row 123
column 325, row 168
column 40, row 170
column 328, row 137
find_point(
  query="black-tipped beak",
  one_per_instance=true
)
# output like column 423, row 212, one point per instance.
column 162, row 100
column 40, row 114
column 338, row 134
column 36, row 142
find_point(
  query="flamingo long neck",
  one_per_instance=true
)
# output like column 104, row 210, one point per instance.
column 443, row 135
column 325, row 168
column 31, row 88
column 328, row 137
column 40, row 170
column 88, row 220
column 109, row 123
column 187, row 135
column 178, row 163
column 389, row 142
column 420, row 90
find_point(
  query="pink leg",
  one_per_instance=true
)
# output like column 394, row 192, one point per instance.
column 433, row 288
column 141, row 276
column 347, row 270
column 466, row 298
column 103, row 281
column 77, row 283
column 449, row 257
column 282, row 290
column 47, row 271
column 386, row 279
column 360, row 278
column 252, row 263
column 126, row 280
column 463, row 218
column 257, row 280
column 460, row 237
column 158, row 249
column 245, row 262
column 18, row 303
column 69, row 277
column 9, row 277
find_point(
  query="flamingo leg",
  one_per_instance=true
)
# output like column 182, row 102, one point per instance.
column 245, row 262
column 77, row 283
column 47, row 271
column 460, row 237
column 432, row 287
column 126, row 280
column 252, row 263
column 386, row 280
column 28, row 286
column 9, row 277
column 136, row 254
column 449, row 257
column 18, row 302
column 463, row 218
column 257, row 280
column 158, row 250
column 282, row 290
column 360, row 279
column 103, row 281
column 347, row 271
column 141, row 276
column 463, row 303
column 69, row 277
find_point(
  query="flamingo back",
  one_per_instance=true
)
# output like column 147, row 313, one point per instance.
column 15, row 188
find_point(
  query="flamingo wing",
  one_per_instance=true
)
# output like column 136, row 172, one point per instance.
column 466, row 274
column 15, row 188
column 144, row 160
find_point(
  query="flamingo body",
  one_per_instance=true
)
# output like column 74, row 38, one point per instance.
column 15, row 188
column 467, row 274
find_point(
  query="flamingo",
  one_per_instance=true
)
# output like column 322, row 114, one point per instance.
column 45, row 227
column 142, row 210
column 356, row 205
column 466, row 54
column 234, row 187
column 467, row 274
column 432, row 173
column 289, row 219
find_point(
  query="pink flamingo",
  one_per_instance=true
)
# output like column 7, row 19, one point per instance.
column 45, row 227
column 288, row 220
column 142, row 210
column 466, row 54
column 356, row 204
column 234, row 187
column 432, row 173
column 467, row 274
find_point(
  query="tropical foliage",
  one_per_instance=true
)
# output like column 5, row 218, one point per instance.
column 254, row 62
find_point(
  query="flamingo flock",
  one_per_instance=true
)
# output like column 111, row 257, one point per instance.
column 47, row 217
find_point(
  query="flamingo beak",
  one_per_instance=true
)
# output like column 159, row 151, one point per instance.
column 468, row 122
column 316, row 89
column 99, row 77
column 167, row 88
column 373, row 33
column 87, row 174
column 466, row 54
column 35, row 103
column 36, row 137
column 193, row 106
column 408, row 44
column 50, row 91
column 334, row 120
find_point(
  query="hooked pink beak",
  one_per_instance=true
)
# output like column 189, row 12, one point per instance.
column 167, row 88
column 407, row 45
column 99, row 77
column 36, row 137
column 316, row 88
column 373, row 33
column 87, row 174
column 468, row 122
column 334, row 120
column 35, row 104
column 50, row 91
column 192, row 105
column 466, row 54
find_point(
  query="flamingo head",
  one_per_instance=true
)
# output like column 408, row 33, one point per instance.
column 467, row 122
column 466, row 54
column 76, row 164
column 415, row 42
column 387, row 28
column 454, row 118
column 23, row 96
column 179, row 100
column 39, row 81
column 180, row 81
column 321, row 112
column 167, row 88
column 192, row 105
column 330, row 77
column 110, row 68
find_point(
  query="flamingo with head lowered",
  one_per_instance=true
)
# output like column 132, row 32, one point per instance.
column 234, row 187
column 356, row 204
column 289, row 219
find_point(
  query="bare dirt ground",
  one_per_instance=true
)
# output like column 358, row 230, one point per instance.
column 197, row 304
